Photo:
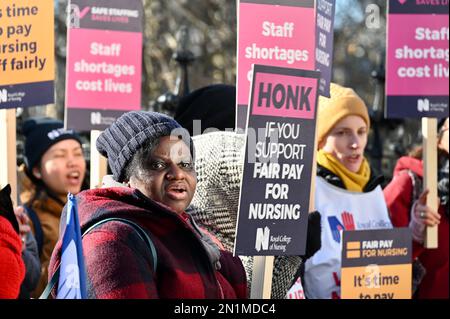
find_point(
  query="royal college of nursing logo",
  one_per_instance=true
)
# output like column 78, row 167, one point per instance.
column 336, row 227
column 262, row 239
column 423, row 105
column 3, row 96
column 96, row 118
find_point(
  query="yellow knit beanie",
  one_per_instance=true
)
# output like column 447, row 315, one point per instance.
column 343, row 101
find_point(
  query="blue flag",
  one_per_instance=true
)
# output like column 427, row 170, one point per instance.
column 72, row 275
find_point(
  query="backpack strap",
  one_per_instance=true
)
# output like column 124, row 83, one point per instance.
column 141, row 233
column 38, row 232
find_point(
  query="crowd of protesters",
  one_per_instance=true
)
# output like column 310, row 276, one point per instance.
column 154, row 180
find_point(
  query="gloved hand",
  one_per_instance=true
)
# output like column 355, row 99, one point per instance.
column 6, row 207
column 313, row 236
column 313, row 243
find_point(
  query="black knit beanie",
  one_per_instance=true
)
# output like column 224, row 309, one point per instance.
column 40, row 134
column 214, row 105
column 130, row 132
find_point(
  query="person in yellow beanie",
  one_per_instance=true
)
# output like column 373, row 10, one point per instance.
column 343, row 124
column 348, row 195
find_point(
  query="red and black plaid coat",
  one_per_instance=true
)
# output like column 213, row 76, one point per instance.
column 119, row 263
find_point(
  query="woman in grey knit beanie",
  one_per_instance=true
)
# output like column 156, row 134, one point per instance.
column 152, row 161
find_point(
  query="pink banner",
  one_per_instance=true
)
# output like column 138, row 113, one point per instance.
column 273, row 35
column 418, row 55
column 104, row 69
column 283, row 96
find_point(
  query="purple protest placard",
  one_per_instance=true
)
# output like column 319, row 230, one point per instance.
column 417, row 76
column 324, row 43
column 272, row 32
column 104, row 62
column 275, row 188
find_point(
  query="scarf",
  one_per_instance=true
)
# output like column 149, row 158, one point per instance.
column 354, row 182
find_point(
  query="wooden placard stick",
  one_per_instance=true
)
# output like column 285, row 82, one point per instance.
column 262, row 277
column 8, row 164
column 312, row 192
column 430, row 162
column 98, row 163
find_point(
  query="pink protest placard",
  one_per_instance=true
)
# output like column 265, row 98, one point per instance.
column 105, row 70
column 417, row 66
column 282, row 96
column 418, row 55
column 104, row 62
column 276, row 33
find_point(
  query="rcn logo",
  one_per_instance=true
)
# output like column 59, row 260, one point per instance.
column 3, row 96
column 337, row 227
column 423, row 105
column 262, row 239
column 96, row 118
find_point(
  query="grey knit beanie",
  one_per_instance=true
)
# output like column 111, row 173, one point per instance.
column 130, row 132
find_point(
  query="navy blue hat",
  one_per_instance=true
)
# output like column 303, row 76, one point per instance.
column 40, row 135
column 130, row 132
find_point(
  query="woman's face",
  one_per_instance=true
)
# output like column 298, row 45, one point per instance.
column 170, row 177
column 62, row 167
column 443, row 141
column 346, row 142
